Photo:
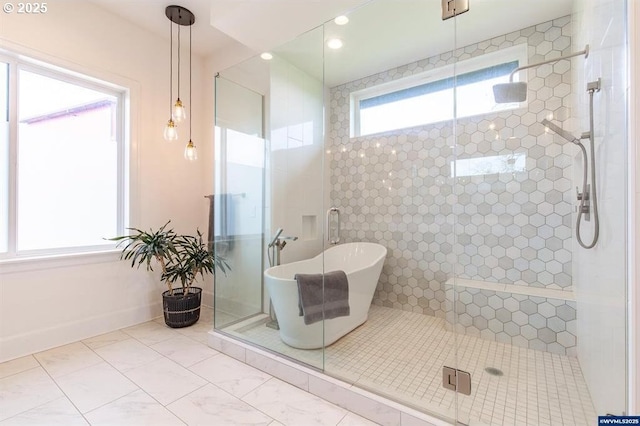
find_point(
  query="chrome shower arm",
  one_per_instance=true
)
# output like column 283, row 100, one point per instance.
column 584, row 52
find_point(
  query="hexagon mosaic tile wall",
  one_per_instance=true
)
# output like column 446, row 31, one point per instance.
column 534, row 322
column 397, row 188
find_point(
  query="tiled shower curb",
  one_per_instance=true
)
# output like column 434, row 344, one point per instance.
column 354, row 399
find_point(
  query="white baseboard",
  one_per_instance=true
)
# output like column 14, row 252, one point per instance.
column 234, row 307
column 48, row 337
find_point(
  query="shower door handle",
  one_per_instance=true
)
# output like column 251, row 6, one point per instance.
column 329, row 212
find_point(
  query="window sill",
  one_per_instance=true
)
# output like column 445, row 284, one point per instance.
column 34, row 263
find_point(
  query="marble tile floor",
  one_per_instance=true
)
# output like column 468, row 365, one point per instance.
column 150, row 374
column 400, row 355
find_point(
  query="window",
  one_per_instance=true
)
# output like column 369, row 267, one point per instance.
column 62, row 153
column 489, row 165
column 429, row 97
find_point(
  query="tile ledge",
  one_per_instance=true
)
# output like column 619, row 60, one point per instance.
column 548, row 293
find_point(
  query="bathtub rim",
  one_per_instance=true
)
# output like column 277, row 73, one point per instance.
column 374, row 260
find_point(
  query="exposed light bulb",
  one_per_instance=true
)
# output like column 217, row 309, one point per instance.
column 178, row 113
column 190, row 152
column 170, row 131
column 267, row 56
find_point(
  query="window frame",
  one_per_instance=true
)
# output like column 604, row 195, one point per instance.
column 17, row 63
column 518, row 52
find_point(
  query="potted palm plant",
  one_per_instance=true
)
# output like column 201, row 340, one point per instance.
column 182, row 259
column 192, row 258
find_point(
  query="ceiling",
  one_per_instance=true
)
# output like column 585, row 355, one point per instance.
column 380, row 35
column 149, row 15
column 225, row 24
column 385, row 34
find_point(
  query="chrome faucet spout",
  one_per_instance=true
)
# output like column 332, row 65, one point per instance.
column 275, row 237
column 282, row 241
column 277, row 244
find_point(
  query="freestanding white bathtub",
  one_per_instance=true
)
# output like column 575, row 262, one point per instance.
column 362, row 262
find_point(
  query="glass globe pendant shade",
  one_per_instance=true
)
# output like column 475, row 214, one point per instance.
column 179, row 113
column 190, row 152
column 170, row 131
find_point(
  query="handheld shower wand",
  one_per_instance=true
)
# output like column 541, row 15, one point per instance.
column 588, row 193
column 560, row 131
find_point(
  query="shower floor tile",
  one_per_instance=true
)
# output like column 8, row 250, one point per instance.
column 400, row 355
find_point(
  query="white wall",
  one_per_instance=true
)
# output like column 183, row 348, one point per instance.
column 634, row 223
column 297, row 159
column 48, row 303
column 601, row 272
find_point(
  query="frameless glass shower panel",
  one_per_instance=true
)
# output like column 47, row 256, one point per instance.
column 531, row 304
column 389, row 149
column 237, row 205
column 295, row 195
column 282, row 180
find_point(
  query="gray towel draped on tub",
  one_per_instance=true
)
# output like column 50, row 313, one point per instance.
column 314, row 298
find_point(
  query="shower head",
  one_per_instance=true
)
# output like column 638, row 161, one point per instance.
column 559, row 131
column 515, row 91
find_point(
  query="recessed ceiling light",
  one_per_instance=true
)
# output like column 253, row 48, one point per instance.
column 334, row 43
column 341, row 20
column 267, row 56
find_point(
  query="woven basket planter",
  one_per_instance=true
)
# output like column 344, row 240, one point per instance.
column 182, row 310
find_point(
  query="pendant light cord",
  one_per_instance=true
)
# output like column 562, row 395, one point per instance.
column 190, row 102
column 179, row 25
column 170, row 66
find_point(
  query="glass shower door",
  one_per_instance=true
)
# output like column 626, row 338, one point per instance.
column 389, row 149
column 538, row 316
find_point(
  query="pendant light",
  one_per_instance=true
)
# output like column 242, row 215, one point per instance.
column 190, row 152
column 183, row 17
column 178, row 113
column 170, row 131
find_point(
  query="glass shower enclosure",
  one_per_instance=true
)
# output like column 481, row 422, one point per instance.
column 487, row 309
